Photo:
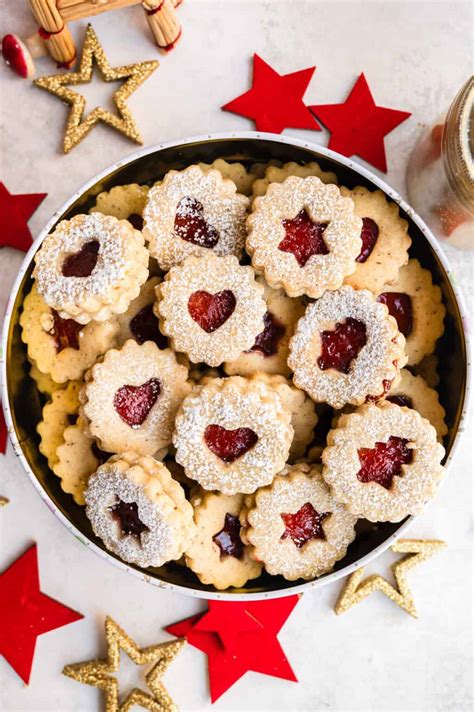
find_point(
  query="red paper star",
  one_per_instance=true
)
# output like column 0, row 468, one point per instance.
column 3, row 431
column 27, row 613
column 15, row 211
column 358, row 126
column 275, row 101
column 235, row 645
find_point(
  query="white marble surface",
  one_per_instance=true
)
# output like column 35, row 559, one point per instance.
column 375, row 658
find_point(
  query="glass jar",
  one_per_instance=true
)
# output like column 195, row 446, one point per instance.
column 440, row 173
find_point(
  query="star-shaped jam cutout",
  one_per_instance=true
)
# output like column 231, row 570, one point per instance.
column 358, row 126
column 15, row 211
column 97, row 672
column 238, row 637
column 228, row 539
column 126, row 514
column 27, row 613
column 304, row 525
column 275, row 101
column 58, row 84
column 383, row 462
column 303, row 237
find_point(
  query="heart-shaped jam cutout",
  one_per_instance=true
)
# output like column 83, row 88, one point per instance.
column 399, row 305
column 303, row 237
column 228, row 539
column 369, row 235
column 401, row 400
column 65, row 332
column 267, row 341
column 229, row 445
column 136, row 221
column 133, row 403
column 82, row 263
column 304, row 525
column 341, row 346
column 210, row 311
column 190, row 224
column 144, row 327
column 384, row 462
column 126, row 514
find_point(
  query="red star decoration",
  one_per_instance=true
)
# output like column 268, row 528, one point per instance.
column 275, row 101
column 15, row 211
column 3, row 432
column 238, row 637
column 358, row 126
column 27, row 613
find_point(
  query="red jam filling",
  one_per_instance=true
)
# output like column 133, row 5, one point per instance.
column 144, row 327
column 384, row 462
column 228, row 539
column 304, row 525
column 369, row 235
column 303, row 238
column 267, row 341
column 133, row 403
column 210, row 311
column 400, row 307
column 387, row 384
column 126, row 514
column 190, row 225
column 136, row 221
column 229, row 445
column 65, row 332
column 401, row 400
column 341, row 346
column 82, row 263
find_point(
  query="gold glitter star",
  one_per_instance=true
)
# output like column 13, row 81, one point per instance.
column 57, row 84
column 96, row 672
column 355, row 590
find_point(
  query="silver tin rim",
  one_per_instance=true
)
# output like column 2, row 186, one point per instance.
column 326, row 153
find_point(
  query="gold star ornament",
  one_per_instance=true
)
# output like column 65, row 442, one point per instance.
column 58, row 84
column 356, row 589
column 97, row 672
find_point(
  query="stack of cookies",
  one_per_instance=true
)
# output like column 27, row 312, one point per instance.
column 232, row 364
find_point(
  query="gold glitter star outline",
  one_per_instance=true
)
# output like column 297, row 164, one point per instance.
column 97, row 672
column 355, row 590
column 135, row 75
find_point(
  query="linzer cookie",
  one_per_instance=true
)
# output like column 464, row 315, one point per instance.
column 139, row 511
column 62, row 348
column 44, row 382
column 130, row 398
column 295, row 527
column 139, row 322
column 232, row 435
column 211, row 308
column 383, row 462
column 385, row 240
column 60, row 412
column 416, row 303
column 304, row 236
column 77, row 458
column 346, row 349
column 192, row 212
column 302, row 409
column 91, row 267
column 277, row 174
column 270, row 351
column 125, row 202
column 413, row 392
column 236, row 172
column 217, row 554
